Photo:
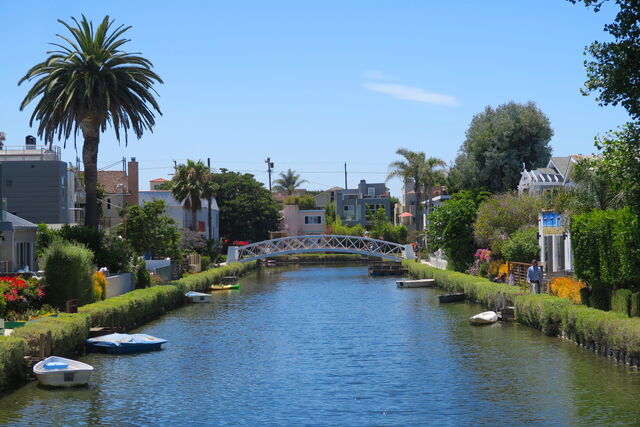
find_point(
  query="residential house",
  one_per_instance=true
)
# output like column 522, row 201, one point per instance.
column 326, row 197
column 353, row 205
column 17, row 243
column 299, row 222
column 158, row 183
column 182, row 216
column 556, row 174
column 120, row 189
column 36, row 184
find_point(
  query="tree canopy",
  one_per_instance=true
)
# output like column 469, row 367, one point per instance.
column 247, row 209
column 613, row 69
column 87, row 84
column 191, row 183
column 498, row 143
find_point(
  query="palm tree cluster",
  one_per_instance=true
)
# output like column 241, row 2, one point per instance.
column 288, row 182
column 87, row 84
column 425, row 173
column 191, row 183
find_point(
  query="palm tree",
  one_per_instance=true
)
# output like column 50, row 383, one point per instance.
column 190, row 184
column 87, row 84
column 288, row 182
column 423, row 172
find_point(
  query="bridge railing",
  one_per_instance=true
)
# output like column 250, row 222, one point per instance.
column 320, row 243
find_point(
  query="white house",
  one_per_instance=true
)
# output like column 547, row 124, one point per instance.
column 556, row 174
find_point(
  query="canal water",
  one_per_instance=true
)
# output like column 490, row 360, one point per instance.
column 332, row 346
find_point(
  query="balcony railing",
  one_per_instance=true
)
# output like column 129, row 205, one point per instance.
column 29, row 152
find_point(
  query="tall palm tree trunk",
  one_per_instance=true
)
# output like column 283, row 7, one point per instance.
column 91, row 133
column 194, row 219
column 418, row 193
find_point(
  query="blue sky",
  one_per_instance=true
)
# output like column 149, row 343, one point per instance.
column 316, row 84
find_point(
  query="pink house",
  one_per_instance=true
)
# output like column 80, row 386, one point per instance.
column 299, row 222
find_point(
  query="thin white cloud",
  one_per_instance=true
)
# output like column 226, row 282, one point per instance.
column 377, row 75
column 410, row 93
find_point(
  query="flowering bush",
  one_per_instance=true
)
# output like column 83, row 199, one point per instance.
column 566, row 287
column 100, row 284
column 481, row 260
column 20, row 294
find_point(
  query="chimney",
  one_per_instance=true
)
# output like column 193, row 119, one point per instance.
column 132, row 182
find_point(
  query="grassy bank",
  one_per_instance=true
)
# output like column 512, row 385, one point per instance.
column 609, row 333
column 69, row 331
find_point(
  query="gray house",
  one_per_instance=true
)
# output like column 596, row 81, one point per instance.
column 35, row 184
column 17, row 243
column 352, row 205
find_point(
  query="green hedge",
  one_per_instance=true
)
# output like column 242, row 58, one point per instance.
column 635, row 305
column 542, row 312
column 621, row 301
column 12, row 351
column 477, row 289
column 69, row 331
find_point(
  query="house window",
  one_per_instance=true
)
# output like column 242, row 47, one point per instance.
column 23, row 255
column 371, row 191
column 313, row 219
column 108, row 203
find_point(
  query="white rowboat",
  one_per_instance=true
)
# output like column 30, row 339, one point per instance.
column 484, row 318
column 60, row 372
column 197, row 296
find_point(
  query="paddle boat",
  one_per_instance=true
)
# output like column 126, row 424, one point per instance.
column 484, row 318
column 124, row 343
column 197, row 296
column 421, row 283
column 57, row 371
column 453, row 297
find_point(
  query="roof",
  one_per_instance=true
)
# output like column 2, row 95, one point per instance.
column 19, row 223
column 159, row 180
column 113, row 181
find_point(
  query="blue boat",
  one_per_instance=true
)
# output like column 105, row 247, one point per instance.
column 124, row 343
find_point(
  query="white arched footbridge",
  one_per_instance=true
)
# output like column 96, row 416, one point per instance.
column 320, row 243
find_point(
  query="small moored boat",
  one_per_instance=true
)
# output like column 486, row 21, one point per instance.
column 124, row 343
column 421, row 283
column 57, row 371
column 197, row 296
column 451, row 297
column 484, row 318
column 224, row 287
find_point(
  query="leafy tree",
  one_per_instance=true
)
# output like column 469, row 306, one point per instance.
column 498, row 142
column 192, row 241
column 613, row 71
column 424, row 172
column 247, row 209
column 87, row 84
column 522, row 246
column 149, row 230
column 337, row 228
column 330, row 212
column 501, row 215
column 190, row 184
column 288, row 182
column 621, row 161
column 451, row 228
column 595, row 187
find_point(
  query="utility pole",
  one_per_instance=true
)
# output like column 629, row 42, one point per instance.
column 345, row 175
column 269, row 167
column 209, row 200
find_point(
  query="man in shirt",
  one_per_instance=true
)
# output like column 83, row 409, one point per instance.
column 534, row 277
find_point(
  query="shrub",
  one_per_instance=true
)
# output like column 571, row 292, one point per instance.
column 621, row 301
column 566, row 287
column 68, row 331
column 585, row 296
column 143, row 277
column 635, row 305
column 600, row 298
column 522, row 246
column 12, row 352
column 542, row 312
column 100, row 284
column 68, row 268
column 192, row 241
column 205, row 262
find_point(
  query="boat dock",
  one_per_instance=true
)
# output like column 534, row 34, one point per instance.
column 420, row 283
column 386, row 268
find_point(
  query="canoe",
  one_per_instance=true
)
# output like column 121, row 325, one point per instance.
column 197, row 296
column 124, row 343
column 224, row 287
column 484, row 318
column 451, row 297
column 57, row 371
column 422, row 283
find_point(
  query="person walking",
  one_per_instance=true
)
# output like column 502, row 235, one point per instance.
column 534, row 277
